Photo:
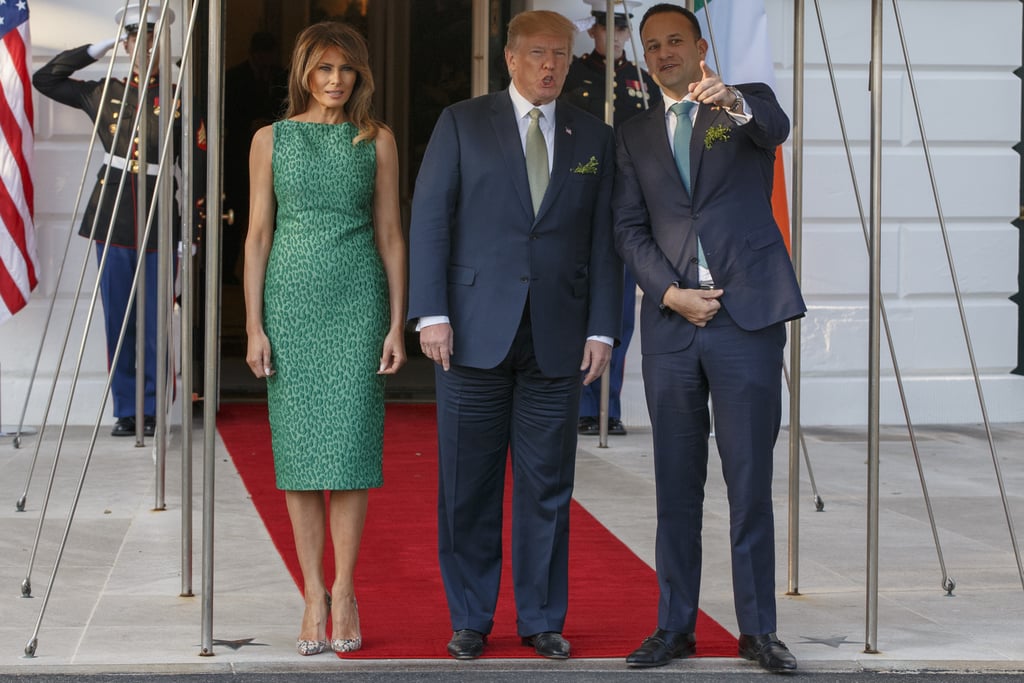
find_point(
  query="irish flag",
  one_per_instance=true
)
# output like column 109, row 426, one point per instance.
column 738, row 35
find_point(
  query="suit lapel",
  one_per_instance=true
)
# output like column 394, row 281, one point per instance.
column 705, row 116
column 506, row 129
column 565, row 146
column 655, row 129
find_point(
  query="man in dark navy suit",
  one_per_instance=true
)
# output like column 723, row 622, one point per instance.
column 693, row 221
column 517, row 290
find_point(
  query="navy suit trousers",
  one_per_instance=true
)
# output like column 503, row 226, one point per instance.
column 742, row 372
column 481, row 414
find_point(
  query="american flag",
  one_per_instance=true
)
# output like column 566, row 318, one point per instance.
column 18, row 264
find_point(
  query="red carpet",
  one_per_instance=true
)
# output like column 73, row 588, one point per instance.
column 613, row 594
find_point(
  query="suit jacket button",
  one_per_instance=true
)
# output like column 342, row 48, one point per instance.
column 693, row 259
column 524, row 279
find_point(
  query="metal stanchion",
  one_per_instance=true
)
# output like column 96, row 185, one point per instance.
column 874, row 296
column 185, row 261
column 796, row 233
column 142, row 55
column 212, row 364
column 163, row 277
column 948, row 583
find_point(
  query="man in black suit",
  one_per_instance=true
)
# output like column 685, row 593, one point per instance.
column 693, row 221
column 517, row 290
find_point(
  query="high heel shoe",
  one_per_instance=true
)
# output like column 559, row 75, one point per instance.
column 313, row 647
column 348, row 644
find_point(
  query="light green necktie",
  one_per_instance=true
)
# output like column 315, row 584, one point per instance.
column 536, row 160
column 681, row 151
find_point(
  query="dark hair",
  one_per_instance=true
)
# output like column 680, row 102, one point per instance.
column 664, row 7
column 310, row 47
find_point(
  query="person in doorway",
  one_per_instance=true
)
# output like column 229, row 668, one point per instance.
column 517, row 290
column 255, row 92
column 693, row 220
column 116, row 232
column 325, row 295
column 585, row 87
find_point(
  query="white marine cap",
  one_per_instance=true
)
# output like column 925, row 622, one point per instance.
column 599, row 11
column 133, row 16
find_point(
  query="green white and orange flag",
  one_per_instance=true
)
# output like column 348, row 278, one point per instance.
column 738, row 50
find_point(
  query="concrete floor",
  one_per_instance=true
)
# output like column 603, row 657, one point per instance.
column 115, row 604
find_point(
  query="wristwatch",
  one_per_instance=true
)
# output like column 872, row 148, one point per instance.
column 737, row 106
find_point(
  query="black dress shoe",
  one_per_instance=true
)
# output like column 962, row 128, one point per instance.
column 615, row 427
column 466, row 644
column 149, row 425
column 549, row 644
column 125, row 426
column 661, row 647
column 770, row 652
column 588, row 426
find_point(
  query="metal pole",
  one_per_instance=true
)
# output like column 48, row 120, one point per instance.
column 959, row 303
column 165, row 193
column 480, row 76
column 211, row 366
column 142, row 56
column 796, row 253
column 609, row 118
column 948, row 583
column 874, row 297
column 185, row 260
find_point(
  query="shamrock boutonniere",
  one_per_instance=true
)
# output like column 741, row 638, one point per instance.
column 716, row 133
column 589, row 168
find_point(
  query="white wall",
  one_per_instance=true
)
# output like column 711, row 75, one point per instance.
column 963, row 54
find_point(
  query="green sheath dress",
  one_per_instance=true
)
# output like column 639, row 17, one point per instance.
column 325, row 311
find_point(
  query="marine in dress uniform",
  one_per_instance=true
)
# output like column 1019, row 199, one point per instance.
column 585, row 87
column 122, row 157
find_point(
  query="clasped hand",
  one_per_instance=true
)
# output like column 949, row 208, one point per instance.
column 698, row 306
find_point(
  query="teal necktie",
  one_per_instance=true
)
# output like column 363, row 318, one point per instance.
column 536, row 160
column 681, row 151
column 681, row 139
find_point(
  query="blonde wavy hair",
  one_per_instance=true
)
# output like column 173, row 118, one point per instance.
column 310, row 47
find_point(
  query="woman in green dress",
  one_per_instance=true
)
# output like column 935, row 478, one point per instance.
column 325, row 297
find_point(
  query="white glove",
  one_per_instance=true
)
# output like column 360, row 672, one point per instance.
column 97, row 50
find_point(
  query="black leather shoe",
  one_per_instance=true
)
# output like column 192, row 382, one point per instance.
column 768, row 651
column 549, row 644
column 125, row 426
column 149, row 425
column 466, row 644
column 588, row 426
column 615, row 427
column 661, row 647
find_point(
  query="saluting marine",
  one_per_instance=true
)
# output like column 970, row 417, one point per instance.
column 585, row 84
column 54, row 81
